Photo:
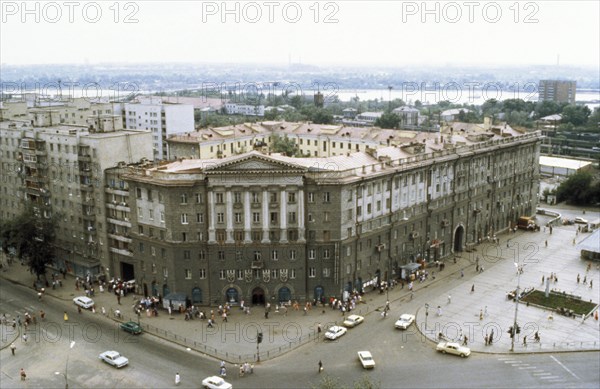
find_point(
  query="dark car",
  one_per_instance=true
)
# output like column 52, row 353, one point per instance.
column 132, row 327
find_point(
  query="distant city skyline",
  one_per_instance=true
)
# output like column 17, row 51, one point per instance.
column 356, row 33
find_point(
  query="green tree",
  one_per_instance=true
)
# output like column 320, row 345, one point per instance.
column 578, row 189
column 297, row 102
column 388, row 120
column 546, row 108
column 576, row 114
column 32, row 236
column 285, row 146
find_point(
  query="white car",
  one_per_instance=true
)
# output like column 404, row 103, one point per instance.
column 366, row 359
column 335, row 332
column 353, row 320
column 114, row 358
column 404, row 321
column 215, row 382
column 580, row 220
column 453, row 348
column 84, row 302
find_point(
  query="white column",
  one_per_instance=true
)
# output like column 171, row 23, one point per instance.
column 229, row 215
column 211, row 220
column 247, row 218
column 283, row 219
column 301, row 216
column 265, row 216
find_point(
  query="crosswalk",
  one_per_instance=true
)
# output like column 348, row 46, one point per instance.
column 544, row 376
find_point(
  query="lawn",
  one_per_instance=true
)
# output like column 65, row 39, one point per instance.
column 555, row 300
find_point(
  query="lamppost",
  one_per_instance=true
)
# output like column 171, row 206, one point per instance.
column 259, row 337
column 66, row 367
column 514, row 328
column 426, row 314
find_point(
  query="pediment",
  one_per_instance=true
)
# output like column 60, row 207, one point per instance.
column 254, row 162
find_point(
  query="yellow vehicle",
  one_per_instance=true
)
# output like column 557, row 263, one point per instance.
column 527, row 223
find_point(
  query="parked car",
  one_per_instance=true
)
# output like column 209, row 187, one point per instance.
column 353, row 320
column 335, row 332
column 580, row 220
column 366, row 359
column 132, row 327
column 404, row 321
column 113, row 358
column 215, row 382
column 84, row 302
column 453, row 348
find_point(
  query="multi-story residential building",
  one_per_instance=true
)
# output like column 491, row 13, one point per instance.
column 557, row 91
column 161, row 118
column 245, row 109
column 409, row 116
column 60, row 170
column 259, row 227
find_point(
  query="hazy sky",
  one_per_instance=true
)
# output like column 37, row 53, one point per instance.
column 320, row 33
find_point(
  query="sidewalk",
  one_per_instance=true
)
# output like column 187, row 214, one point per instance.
column 462, row 314
column 235, row 341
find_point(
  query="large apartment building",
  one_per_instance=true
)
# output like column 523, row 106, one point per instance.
column 260, row 227
column 557, row 91
column 60, row 170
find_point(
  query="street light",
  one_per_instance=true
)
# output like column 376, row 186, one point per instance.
column 514, row 328
column 66, row 367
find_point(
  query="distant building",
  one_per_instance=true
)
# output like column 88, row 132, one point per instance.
column 349, row 113
column 451, row 115
column 409, row 116
column 244, row 109
column 557, row 91
column 564, row 167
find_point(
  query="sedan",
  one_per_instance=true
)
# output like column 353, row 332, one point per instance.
column 580, row 220
column 132, row 327
column 404, row 321
column 353, row 320
column 453, row 348
column 114, row 358
column 335, row 332
column 366, row 359
column 84, row 302
column 215, row 382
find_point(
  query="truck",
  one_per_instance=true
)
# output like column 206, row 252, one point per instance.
column 527, row 223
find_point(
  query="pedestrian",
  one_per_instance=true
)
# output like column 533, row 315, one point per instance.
column 543, row 279
column 591, row 281
column 585, row 280
column 65, row 316
column 25, row 337
column 473, row 288
column 439, row 311
column 546, row 242
column 13, row 347
column 319, row 329
column 481, row 314
column 177, row 379
column 449, row 299
column 507, row 243
column 465, row 340
column 225, row 317
column 462, row 273
column 103, row 311
column 223, row 372
column 491, row 337
column 525, row 341
column 23, row 375
column 210, row 323
column 78, row 309
column 119, row 299
column 39, row 296
column 486, row 339
column 573, row 241
column 320, row 366
column 578, row 278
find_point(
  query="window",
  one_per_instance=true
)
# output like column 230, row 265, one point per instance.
column 138, row 193
column 239, row 255
column 160, row 197
column 274, row 255
column 199, row 198
column 237, row 197
column 238, row 217
column 221, row 255
column 149, row 194
column 162, row 217
column 200, row 217
column 326, row 216
column 255, row 197
column 257, row 255
column 184, row 236
column 310, row 217
column 221, row 274
column 256, row 217
column 326, row 197
column 368, row 208
column 220, row 217
column 273, row 197
column 292, row 255
column 184, row 218
column 311, row 197
column 202, row 274
column 202, row 255
column 311, row 253
column 219, row 198
column 292, row 274
column 188, row 274
column 291, row 197
column 154, row 268
column 141, row 230
column 238, row 236
column 326, row 254
column 151, row 214
column 274, row 218
column 326, row 272
column 312, row 272
column 184, row 198
column 141, row 247
column 186, row 254
column 359, row 210
column 291, row 217
column 326, row 236
column 140, row 213
column 220, row 235
column 240, row 274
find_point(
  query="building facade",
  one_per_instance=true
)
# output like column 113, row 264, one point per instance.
column 557, row 91
column 258, row 227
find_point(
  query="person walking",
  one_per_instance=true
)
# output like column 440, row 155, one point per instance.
column 473, row 288
column 449, row 299
column 65, row 316
column 22, row 374
column 320, row 366
column 319, row 329
column 465, row 340
column 13, row 348
column 177, row 379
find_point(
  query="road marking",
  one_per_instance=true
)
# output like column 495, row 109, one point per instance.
column 512, row 361
column 528, row 367
column 540, row 374
column 564, row 367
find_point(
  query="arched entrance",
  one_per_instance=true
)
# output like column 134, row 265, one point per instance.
column 285, row 294
column 258, row 296
column 232, row 296
column 319, row 293
column 197, row 295
column 458, row 239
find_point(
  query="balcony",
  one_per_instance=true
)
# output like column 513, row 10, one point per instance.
column 116, row 191
column 257, row 264
column 87, row 187
column 89, row 216
column 125, row 252
column 123, row 223
column 120, row 237
column 84, row 158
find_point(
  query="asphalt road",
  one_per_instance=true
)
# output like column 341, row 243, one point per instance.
column 404, row 359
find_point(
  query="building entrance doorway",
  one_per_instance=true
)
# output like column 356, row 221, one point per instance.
column 458, row 239
column 258, row 296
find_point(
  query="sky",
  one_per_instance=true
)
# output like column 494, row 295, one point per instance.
column 312, row 32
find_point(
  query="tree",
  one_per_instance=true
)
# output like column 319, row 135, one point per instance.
column 285, row 146
column 576, row 114
column 579, row 190
column 388, row 120
column 32, row 236
column 546, row 108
